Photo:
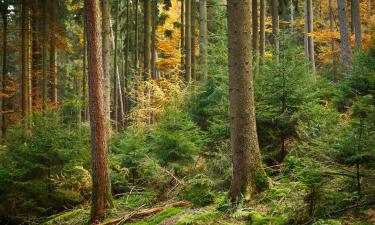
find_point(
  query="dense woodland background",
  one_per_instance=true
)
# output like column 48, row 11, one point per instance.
column 187, row 112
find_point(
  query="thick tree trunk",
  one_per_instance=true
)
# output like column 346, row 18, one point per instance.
column 357, row 24
column 97, row 112
column 188, row 40
column 345, row 37
column 25, row 62
column 262, row 32
column 275, row 26
column 203, row 39
column 248, row 174
column 45, row 69
column 254, row 5
column 309, row 41
column 147, row 38
column 52, row 54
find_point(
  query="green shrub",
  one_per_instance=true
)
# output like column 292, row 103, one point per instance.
column 199, row 191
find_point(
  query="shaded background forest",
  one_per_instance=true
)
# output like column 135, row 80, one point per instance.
column 166, row 91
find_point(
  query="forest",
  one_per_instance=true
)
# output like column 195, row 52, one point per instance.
column 187, row 112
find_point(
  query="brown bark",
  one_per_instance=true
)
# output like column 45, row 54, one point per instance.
column 356, row 18
column 97, row 112
column 52, row 54
column 193, row 18
column 248, row 174
column 333, row 47
column 203, row 39
column 262, row 34
column 275, row 25
column 136, row 39
column 147, row 39
column 188, row 40
column 182, row 33
column 345, row 37
column 45, row 69
column 309, row 41
column 154, row 73
column 25, row 62
column 4, row 14
column 254, row 5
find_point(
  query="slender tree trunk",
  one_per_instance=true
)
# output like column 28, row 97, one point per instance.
column 147, row 38
column 254, row 4
column 115, row 68
column 97, row 112
column 182, row 33
column 203, row 39
column 193, row 19
column 126, row 66
column 136, row 39
column 292, row 17
column 25, row 63
column 309, row 41
column 357, row 24
column 106, row 55
column 84, row 75
column 4, row 13
column 154, row 8
column 52, row 54
column 275, row 26
column 45, row 69
column 248, row 173
column 262, row 33
column 333, row 47
column 188, row 40
column 345, row 38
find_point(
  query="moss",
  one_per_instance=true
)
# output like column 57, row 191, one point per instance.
column 261, row 182
column 70, row 217
column 207, row 217
column 258, row 219
column 165, row 214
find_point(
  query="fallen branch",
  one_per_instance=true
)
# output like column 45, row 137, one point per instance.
column 138, row 213
column 351, row 207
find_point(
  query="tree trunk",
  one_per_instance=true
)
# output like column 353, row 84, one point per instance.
column 333, row 47
column 136, row 39
column 115, row 68
column 356, row 17
column 147, row 39
column 255, row 30
column 203, row 39
column 262, row 33
column 275, row 27
column 193, row 18
column 188, row 40
column 53, row 68
column 248, row 173
column 126, row 67
column 154, row 8
column 4, row 14
column 45, row 69
column 25, row 63
column 84, row 75
column 182, row 34
column 97, row 112
column 309, row 41
column 345, row 38
column 36, row 50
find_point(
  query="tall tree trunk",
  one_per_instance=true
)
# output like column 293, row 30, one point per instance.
column 36, row 53
column 4, row 14
column 115, row 68
column 309, row 41
column 97, row 112
column 275, row 26
column 248, row 173
column 25, row 63
column 333, row 47
column 147, row 38
column 106, row 55
column 193, row 18
column 254, row 4
column 154, row 8
column 136, row 39
column 262, row 33
column 52, row 54
column 84, row 75
column 188, row 40
column 357, row 24
column 45, row 69
column 345, row 37
column 182, row 34
column 203, row 39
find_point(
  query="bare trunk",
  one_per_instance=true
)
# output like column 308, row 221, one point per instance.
column 275, row 26
column 136, row 39
column 147, row 39
column 97, row 112
column 188, row 40
column 193, row 18
column 25, row 63
column 4, row 13
column 356, row 17
column 153, row 39
column 255, row 30
column 333, row 47
column 248, row 174
column 345, row 41
column 309, row 41
column 203, row 39
column 45, row 69
column 262, row 33
column 182, row 31
column 53, row 68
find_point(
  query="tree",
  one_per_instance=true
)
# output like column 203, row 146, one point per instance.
column 25, row 62
column 203, row 38
column 248, row 173
column 4, row 15
column 262, row 33
column 147, row 38
column 45, row 69
column 106, row 55
column 357, row 24
column 154, row 7
column 275, row 24
column 97, row 112
column 346, row 51
column 188, row 40
column 309, row 41
column 52, row 55
column 254, row 4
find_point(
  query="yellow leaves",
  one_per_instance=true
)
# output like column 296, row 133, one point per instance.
column 325, row 35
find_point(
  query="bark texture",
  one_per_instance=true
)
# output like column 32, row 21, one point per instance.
column 53, row 55
column 188, row 40
column 344, row 34
column 25, row 62
column 357, row 24
column 203, row 39
column 147, row 39
column 275, row 25
column 309, row 41
column 97, row 112
column 248, row 174
column 262, row 31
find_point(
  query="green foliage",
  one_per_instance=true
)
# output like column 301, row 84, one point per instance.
column 199, row 191
column 258, row 219
column 201, row 218
column 165, row 214
column 45, row 170
column 176, row 140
